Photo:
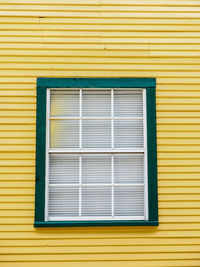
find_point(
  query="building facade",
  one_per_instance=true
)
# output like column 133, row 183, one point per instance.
column 101, row 39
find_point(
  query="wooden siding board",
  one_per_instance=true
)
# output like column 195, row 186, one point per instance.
column 93, row 38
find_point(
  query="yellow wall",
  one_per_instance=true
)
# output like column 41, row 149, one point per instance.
column 104, row 38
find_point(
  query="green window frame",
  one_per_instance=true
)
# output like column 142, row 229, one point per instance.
column 146, row 83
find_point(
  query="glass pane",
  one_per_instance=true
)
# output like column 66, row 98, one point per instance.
column 96, row 201
column 63, row 169
column 96, row 103
column 129, row 168
column 129, row 201
column 96, row 169
column 128, row 103
column 96, row 133
column 128, row 133
column 65, row 103
column 63, row 201
column 64, row 134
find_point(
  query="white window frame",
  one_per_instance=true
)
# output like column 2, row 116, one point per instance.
column 111, row 151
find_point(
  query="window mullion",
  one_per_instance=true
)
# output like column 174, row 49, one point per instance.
column 112, row 181
column 80, row 157
column 96, row 150
column 80, row 120
column 112, row 146
column 93, row 117
column 112, row 121
column 96, row 184
column 80, row 185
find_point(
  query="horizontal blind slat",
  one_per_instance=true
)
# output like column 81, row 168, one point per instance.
column 63, row 201
column 64, row 134
column 128, row 133
column 96, row 201
column 64, row 103
column 96, row 133
column 129, row 168
column 129, row 201
column 128, row 103
column 63, row 168
column 96, row 103
column 96, row 169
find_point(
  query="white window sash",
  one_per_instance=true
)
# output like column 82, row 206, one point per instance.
column 81, row 151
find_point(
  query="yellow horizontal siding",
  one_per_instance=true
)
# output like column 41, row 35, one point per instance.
column 101, row 38
column 117, row 263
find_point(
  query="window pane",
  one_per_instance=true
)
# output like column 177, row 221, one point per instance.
column 129, row 168
column 65, row 103
column 63, row 201
column 128, row 133
column 96, row 133
column 64, row 134
column 96, row 169
column 63, row 168
column 128, row 103
column 96, row 103
column 129, row 201
column 96, row 201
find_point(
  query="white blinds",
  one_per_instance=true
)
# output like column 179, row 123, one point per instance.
column 128, row 133
column 64, row 103
column 96, row 169
column 96, row 155
column 64, row 133
column 128, row 103
column 96, row 103
column 63, row 169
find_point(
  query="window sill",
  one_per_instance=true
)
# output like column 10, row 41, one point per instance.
column 95, row 223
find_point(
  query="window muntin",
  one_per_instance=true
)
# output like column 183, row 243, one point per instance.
column 96, row 158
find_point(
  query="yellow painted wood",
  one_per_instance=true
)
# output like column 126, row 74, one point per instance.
column 130, row 65
column 92, row 26
column 117, row 263
column 149, row 232
column 101, row 249
column 17, row 176
column 102, row 7
column 128, row 33
column 105, row 2
column 96, row 56
column 17, row 156
column 157, row 263
column 17, row 134
column 95, row 242
column 16, row 148
column 107, row 38
column 120, row 71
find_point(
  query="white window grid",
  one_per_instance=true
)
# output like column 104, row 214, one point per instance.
column 113, row 151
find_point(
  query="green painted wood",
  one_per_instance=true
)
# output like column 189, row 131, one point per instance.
column 96, row 82
column 40, row 154
column 95, row 223
column 152, row 154
column 42, row 85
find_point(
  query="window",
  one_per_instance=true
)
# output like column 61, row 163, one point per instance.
column 96, row 152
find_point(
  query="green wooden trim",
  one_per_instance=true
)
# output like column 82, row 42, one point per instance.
column 42, row 85
column 96, row 82
column 152, row 154
column 95, row 223
column 40, row 154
